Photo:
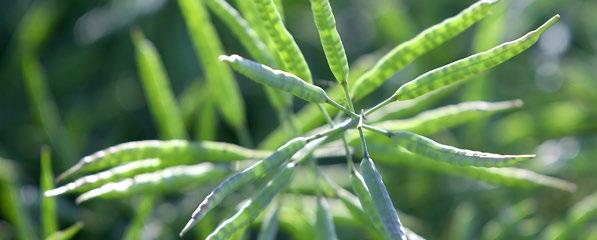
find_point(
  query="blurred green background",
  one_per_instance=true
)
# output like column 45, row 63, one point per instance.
column 85, row 56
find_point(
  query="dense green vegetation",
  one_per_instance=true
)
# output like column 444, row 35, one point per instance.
column 288, row 119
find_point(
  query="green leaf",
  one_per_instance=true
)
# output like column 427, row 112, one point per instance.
column 166, row 180
column 143, row 210
column 381, row 200
column 170, row 151
column 276, row 79
column 289, row 56
column 428, row 148
column 158, row 92
column 48, row 205
column 461, row 70
column 330, row 39
column 252, row 208
column 11, row 206
column 208, row 47
column 425, row 41
column 68, row 233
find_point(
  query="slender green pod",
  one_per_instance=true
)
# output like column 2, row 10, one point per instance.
column 241, row 29
column 48, row 205
column 169, row 179
column 285, row 48
column 158, row 92
column 425, row 41
column 174, row 151
column 270, row 224
column 360, row 188
column 250, row 41
column 430, row 149
column 381, row 200
column 68, row 233
column 330, row 39
column 324, row 224
column 276, row 79
column 253, row 207
column 238, row 180
column 432, row 121
column 464, row 68
column 387, row 152
column 208, row 47
column 117, row 173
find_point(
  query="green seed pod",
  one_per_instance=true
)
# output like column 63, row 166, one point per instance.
column 324, row 225
column 446, row 117
column 381, row 200
column 169, row 179
column 286, row 49
column 208, row 47
column 255, row 206
column 387, row 151
column 330, row 38
column 358, row 186
column 158, row 92
column 270, row 225
column 250, row 41
column 170, row 152
column 238, row 180
column 117, row 173
column 462, row 69
column 276, row 79
column 426, row 147
column 425, row 41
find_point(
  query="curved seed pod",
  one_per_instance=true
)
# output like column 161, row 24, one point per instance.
column 462, row 69
column 158, row 92
column 381, row 200
column 175, row 151
column 66, row 234
column 89, row 182
column 169, row 179
column 253, row 207
column 389, row 153
column 286, row 49
column 425, row 41
column 270, row 224
column 276, row 79
column 48, row 205
column 250, row 41
column 208, row 47
column 330, row 39
column 426, row 147
column 240, row 179
column 324, row 225
column 241, row 29
column 360, row 188
column 446, row 117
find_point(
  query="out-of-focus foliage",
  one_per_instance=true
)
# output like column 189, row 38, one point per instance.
column 69, row 80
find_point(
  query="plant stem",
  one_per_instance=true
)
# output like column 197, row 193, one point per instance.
column 347, row 95
column 336, row 129
column 381, row 131
column 244, row 137
column 342, row 108
column 360, row 129
column 381, row 104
